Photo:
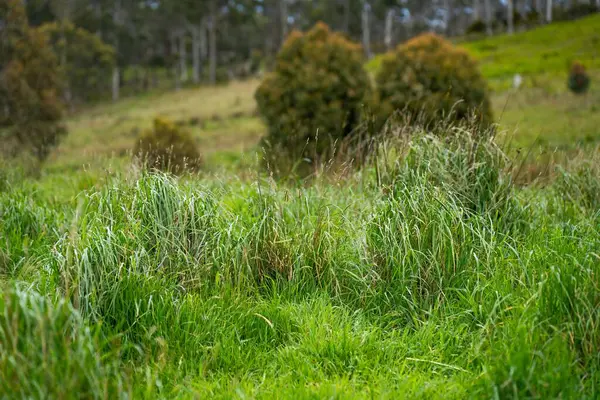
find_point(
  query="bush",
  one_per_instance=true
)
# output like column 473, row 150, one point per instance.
column 314, row 96
column 574, row 12
column 476, row 27
column 168, row 147
column 579, row 81
column 85, row 60
column 430, row 78
column 30, row 109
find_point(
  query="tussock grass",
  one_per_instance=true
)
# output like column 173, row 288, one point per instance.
column 425, row 274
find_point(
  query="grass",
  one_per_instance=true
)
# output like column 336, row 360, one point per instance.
column 542, row 55
column 429, row 276
column 428, row 273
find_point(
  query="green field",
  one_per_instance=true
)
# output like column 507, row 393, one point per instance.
column 449, row 266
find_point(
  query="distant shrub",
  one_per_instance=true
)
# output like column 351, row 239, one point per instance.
column 168, row 147
column 476, row 27
column 314, row 96
column 256, row 60
column 430, row 78
column 576, row 11
column 30, row 108
column 579, row 81
column 85, row 60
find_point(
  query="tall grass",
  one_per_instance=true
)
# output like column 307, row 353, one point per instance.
column 426, row 274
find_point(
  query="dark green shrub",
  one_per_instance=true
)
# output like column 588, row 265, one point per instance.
column 30, row 109
column 314, row 96
column 168, row 147
column 576, row 11
column 430, row 78
column 85, row 60
column 476, row 27
column 579, row 81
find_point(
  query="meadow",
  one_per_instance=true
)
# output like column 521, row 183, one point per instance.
column 452, row 264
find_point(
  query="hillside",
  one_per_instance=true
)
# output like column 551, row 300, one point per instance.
column 543, row 53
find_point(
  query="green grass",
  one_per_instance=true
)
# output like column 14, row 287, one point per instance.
column 542, row 55
column 425, row 275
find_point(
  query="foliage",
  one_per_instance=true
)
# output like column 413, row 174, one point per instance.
column 575, row 11
column 86, row 61
column 168, row 147
column 579, row 80
column 30, row 110
column 314, row 96
column 476, row 27
column 429, row 78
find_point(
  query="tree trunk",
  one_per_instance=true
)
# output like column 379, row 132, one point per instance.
column 488, row 18
column 116, row 82
column 116, row 76
column 196, row 59
column 549, row 5
column 448, row 17
column 366, row 30
column 183, row 58
column 283, row 15
column 346, row 21
column 476, row 10
column 173, row 60
column 538, row 7
column 212, row 38
column 389, row 29
column 510, row 13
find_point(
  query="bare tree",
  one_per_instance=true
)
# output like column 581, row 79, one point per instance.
column 549, row 5
column 488, row 18
column 366, row 29
column 510, row 13
column 389, row 27
column 212, row 39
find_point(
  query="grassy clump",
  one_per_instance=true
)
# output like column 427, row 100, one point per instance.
column 47, row 351
column 426, row 274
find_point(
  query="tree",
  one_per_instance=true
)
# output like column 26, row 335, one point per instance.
column 86, row 62
column 510, row 16
column 29, row 83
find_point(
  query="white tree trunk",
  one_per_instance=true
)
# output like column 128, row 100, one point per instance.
column 476, row 10
column 549, row 5
column 366, row 30
column 212, row 38
column 116, row 78
column 389, row 29
column 196, row 59
column 346, row 22
column 510, row 13
column 283, row 15
column 488, row 18
column 183, row 58
column 448, row 16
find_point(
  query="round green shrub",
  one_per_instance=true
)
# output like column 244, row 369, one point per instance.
column 168, row 147
column 579, row 80
column 313, row 98
column 429, row 78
